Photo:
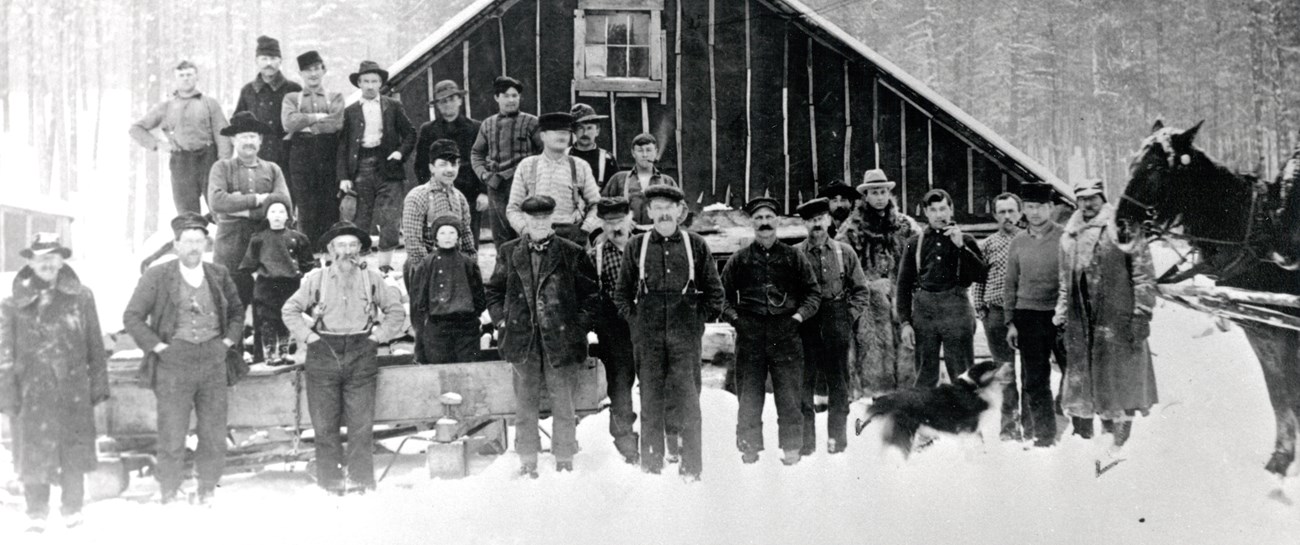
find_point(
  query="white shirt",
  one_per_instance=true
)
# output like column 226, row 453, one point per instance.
column 192, row 276
column 374, row 130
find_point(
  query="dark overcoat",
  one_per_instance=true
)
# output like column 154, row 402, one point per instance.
column 561, row 300
column 53, row 369
column 398, row 135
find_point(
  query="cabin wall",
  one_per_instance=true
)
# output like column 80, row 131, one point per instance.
column 767, row 105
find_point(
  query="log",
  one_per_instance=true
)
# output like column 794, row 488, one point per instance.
column 1235, row 295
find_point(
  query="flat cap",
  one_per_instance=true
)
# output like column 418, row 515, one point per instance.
column 538, row 205
column 443, row 148
column 612, row 207
column 504, row 83
column 555, row 121
column 758, row 203
column 187, row 221
column 664, row 191
column 814, row 208
column 1036, row 192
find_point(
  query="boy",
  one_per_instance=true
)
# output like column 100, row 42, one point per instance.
column 280, row 256
column 447, row 298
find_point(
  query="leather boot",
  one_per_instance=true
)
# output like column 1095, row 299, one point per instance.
column 1082, row 427
column 1122, row 430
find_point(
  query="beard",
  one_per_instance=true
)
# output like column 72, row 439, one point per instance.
column 841, row 214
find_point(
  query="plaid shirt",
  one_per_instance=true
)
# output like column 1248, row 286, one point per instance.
column 426, row 203
column 989, row 293
column 610, row 266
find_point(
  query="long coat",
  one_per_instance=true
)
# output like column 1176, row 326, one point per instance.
column 53, row 369
column 1106, row 289
column 562, row 300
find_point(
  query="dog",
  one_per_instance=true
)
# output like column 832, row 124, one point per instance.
column 971, row 404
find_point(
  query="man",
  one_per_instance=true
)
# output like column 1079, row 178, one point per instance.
column 933, row 306
column 264, row 98
column 668, row 288
column 186, row 317
column 989, row 307
column 827, row 335
column 1105, row 300
column 460, row 129
column 53, row 371
column 615, row 348
column 770, row 288
column 1029, row 296
column 238, row 189
column 631, row 184
column 504, row 139
column 587, row 129
column 313, row 118
column 842, row 198
column 191, row 122
column 552, row 295
column 376, row 139
column 352, row 312
column 437, row 197
column 557, row 175
column 878, row 231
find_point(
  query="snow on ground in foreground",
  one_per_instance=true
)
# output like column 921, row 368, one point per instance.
column 1194, row 475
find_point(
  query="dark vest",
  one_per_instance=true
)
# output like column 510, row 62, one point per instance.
column 196, row 317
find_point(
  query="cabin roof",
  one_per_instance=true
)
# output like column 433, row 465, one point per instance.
column 815, row 22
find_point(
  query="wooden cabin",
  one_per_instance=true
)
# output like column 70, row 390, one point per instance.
column 746, row 97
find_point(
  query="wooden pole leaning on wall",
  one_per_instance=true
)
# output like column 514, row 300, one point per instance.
column 501, row 33
column 970, row 181
column 875, row 119
column 645, row 118
column 812, row 114
column 677, row 96
column 902, row 152
column 537, row 52
column 464, row 67
column 848, row 129
column 929, row 153
column 713, row 111
column 613, row 126
column 749, row 121
column 785, row 113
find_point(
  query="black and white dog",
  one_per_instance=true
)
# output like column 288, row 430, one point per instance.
column 972, row 404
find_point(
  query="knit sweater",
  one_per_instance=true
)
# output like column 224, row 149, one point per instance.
column 1032, row 277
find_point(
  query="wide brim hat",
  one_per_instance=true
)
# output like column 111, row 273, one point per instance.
column 1036, row 192
column 555, row 121
column 345, row 228
column 583, row 113
column 875, row 178
column 368, row 67
column 445, row 88
column 758, row 203
column 814, row 208
column 46, row 243
column 1089, row 187
column 243, row 122
column 664, row 191
column 840, row 190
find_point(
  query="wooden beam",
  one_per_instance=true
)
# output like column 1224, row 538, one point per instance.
column 428, row 80
column 749, row 89
column 677, row 96
column 645, row 116
column 537, row 51
column 501, row 33
column 613, row 126
column 875, row 116
column 902, row 152
column 848, row 128
column 785, row 113
column 622, row 4
column 929, row 154
column 970, row 180
column 812, row 114
column 713, row 109
column 464, row 67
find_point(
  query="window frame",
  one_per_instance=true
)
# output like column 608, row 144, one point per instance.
column 655, row 84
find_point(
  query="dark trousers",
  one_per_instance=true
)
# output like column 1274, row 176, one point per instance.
column 190, row 171
column 617, row 355
column 826, row 337
column 72, row 488
column 191, row 378
column 475, row 218
column 943, row 321
column 497, row 201
column 233, row 235
column 560, row 382
column 315, row 185
column 1037, row 339
column 669, row 370
column 342, row 375
column 768, row 345
column 449, row 339
column 271, row 335
column 379, row 201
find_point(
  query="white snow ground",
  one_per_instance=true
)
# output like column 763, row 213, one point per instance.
column 1194, row 475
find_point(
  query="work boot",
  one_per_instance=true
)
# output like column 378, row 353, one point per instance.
column 528, row 469
column 674, row 443
column 1107, row 426
column 791, row 457
column 1082, row 427
column 749, row 457
column 1121, row 432
column 835, row 447
column 562, row 466
column 689, row 476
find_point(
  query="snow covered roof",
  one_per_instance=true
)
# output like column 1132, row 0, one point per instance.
column 816, row 20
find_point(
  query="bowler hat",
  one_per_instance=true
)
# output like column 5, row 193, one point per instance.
column 504, row 83
column 758, row 203
column 814, row 208
column 555, row 121
column 187, row 221
column 609, row 208
column 1036, row 192
column 445, row 88
column 243, row 122
column 874, row 178
column 583, row 113
column 368, row 67
column 1089, row 187
column 308, row 59
column 538, row 205
column 840, row 190
column 664, row 191
column 443, row 148
column 345, row 228
column 45, row 243
column 268, row 47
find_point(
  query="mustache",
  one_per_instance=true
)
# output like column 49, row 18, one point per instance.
column 766, row 227
column 818, row 227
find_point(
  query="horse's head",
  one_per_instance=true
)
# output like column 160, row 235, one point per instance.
column 1154, row 173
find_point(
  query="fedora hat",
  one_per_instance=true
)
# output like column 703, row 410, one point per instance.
column 345, row 227
column 874, row 178
column 46, row 243
column 368, row 67
column 840, row 190
column 444, row 89
column 583, row 113
column 243, row 122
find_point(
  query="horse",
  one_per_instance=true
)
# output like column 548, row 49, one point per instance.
column 1245, row 234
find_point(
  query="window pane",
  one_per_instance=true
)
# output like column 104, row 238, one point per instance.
column 640, row 29
column 596, row 61
column 639, row 62
column 595, row 29
column 618, row 29
column 617, row 62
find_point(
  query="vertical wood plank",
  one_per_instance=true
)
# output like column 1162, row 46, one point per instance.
column 902, row 153
column 465, row 73
column 970, row 181
column 428, row 80
column 713, row 108
column 613, row 126
column 875, row 117
column 677, row 94
column 749, row 88
column 929, row 153
column 645, row 117
column 812, row 113
column 501, row 33
column 537, row 50
column 785, row 115
column 848, row 128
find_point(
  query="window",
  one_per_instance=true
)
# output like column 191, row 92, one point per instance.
column 618, row 46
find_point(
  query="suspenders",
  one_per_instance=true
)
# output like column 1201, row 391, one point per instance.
column 690, row 265
column 318, row 310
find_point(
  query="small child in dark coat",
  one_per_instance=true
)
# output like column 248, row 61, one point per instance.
column 280, row 256
column 447, row 299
